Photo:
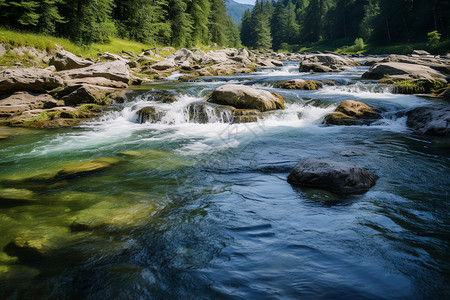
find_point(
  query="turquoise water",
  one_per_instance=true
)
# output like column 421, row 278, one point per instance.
column 205, row 211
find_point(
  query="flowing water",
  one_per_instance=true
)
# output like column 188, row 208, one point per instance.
column 203, row 210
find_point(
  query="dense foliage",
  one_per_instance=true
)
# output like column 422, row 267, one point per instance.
column 160, row 22
column 289, row 22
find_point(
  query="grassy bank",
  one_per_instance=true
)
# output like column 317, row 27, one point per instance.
column 45, row 42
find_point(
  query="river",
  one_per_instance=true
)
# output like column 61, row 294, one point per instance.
column 205, row 211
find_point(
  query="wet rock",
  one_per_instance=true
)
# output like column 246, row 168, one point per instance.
column 28, row 79
column 351, row 112
column 16, row 196
column 106, row 215
column 326, row 63
column 245, row 97
column 149, row 114
column 23, row 101
column 430, row 120
column 85, row 168
column 301, row 84
column 245, row 115
column 402, row 71
column 414, row 86
column 340, row 178
column 64, row 60
column 131, row 153
column 114, row 70
column 37, row 243
column 204, row 113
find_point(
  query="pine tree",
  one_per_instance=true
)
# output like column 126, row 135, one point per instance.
column 218, row 23
column 180, row 23
column 232, row 33
column 199, row 12
column 246, row 29
column 261, row 25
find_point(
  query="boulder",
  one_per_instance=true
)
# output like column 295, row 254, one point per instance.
column 111, row 57
column 351, row 112
column 430, row 120
column 28, row 79
column 64, row 60
column 149, row 115
column 420, row 52
column 402, row 71
column 113, row 70
column 85, row 168
column 37, row 243
column 86, row 93
column 245, row 97
column 301, row 84
column 204, row 112
column 328, row 62
column 23, row 101
column 337, row 177
column 183, row 55
column 164, row 65
column 100, row 81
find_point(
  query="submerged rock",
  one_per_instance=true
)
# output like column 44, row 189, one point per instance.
column 85, row 168
column 352, row 112
column 28, row 79
column 430, row 120
column 340, row 178
column 244, row 97
column 107, row 215
column 16, row 196
column 36, row 243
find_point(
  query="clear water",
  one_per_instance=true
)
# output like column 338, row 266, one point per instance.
column 209, row 213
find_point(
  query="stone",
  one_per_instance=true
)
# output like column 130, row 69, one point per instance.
column 106, row 215
column 301, row 84
column 149, row 114
column 328, row 62
column 351, row 112
column 113, row 70
column 100, row 81
column 245, row 97
column 64, row 60
column 430, row 120
column 37, row 243
column 16, row 196
column 111, row 57
column 85, row 168
column 420, row 52
column 28, row 79
column 164, row 65
column 401, row 71
column 337, row 177
column 131, row 153
column 23, row 101
column 86, row 93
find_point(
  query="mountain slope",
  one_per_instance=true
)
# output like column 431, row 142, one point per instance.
column 236, row 10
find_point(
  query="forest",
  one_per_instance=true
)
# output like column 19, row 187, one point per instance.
column 289, row 22
column 282, row 24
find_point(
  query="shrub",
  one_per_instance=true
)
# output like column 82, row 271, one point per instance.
column 433, row 38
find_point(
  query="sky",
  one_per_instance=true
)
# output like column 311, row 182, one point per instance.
column 246, row 1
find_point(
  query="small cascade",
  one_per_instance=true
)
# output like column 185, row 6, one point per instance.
column 203, row 113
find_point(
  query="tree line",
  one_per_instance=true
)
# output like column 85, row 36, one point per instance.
column 180, row 23
column 277, row 24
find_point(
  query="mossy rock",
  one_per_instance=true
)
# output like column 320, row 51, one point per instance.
column 106, row 215
column 36, row 243
column 5, row 259
column 131, row 153
column 16, row 196
column 414, row 86
column 87, row 167
column 300, row 84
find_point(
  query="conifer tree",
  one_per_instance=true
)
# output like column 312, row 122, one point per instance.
column 218, row 23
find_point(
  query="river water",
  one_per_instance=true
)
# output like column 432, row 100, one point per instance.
column 205, row 211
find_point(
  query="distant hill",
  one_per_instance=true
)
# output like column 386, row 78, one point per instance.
column 236, row 10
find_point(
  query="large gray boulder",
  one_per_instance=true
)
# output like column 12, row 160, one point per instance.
column 86, row 93
column 245, row 97
column 165, row 65
column 113, row 70
column 28, row 79
column 64, row 60
column 23, row 101
column 337, row 177
column 430, row 120
column 328, row 62
column 400, row 70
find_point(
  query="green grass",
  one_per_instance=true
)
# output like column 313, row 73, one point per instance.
column 45, row 42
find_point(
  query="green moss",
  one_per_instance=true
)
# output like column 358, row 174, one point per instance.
column 10, row 58
column 414, row 86
column 90, row 107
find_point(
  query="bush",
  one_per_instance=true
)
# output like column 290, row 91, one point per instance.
column 434, row 38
